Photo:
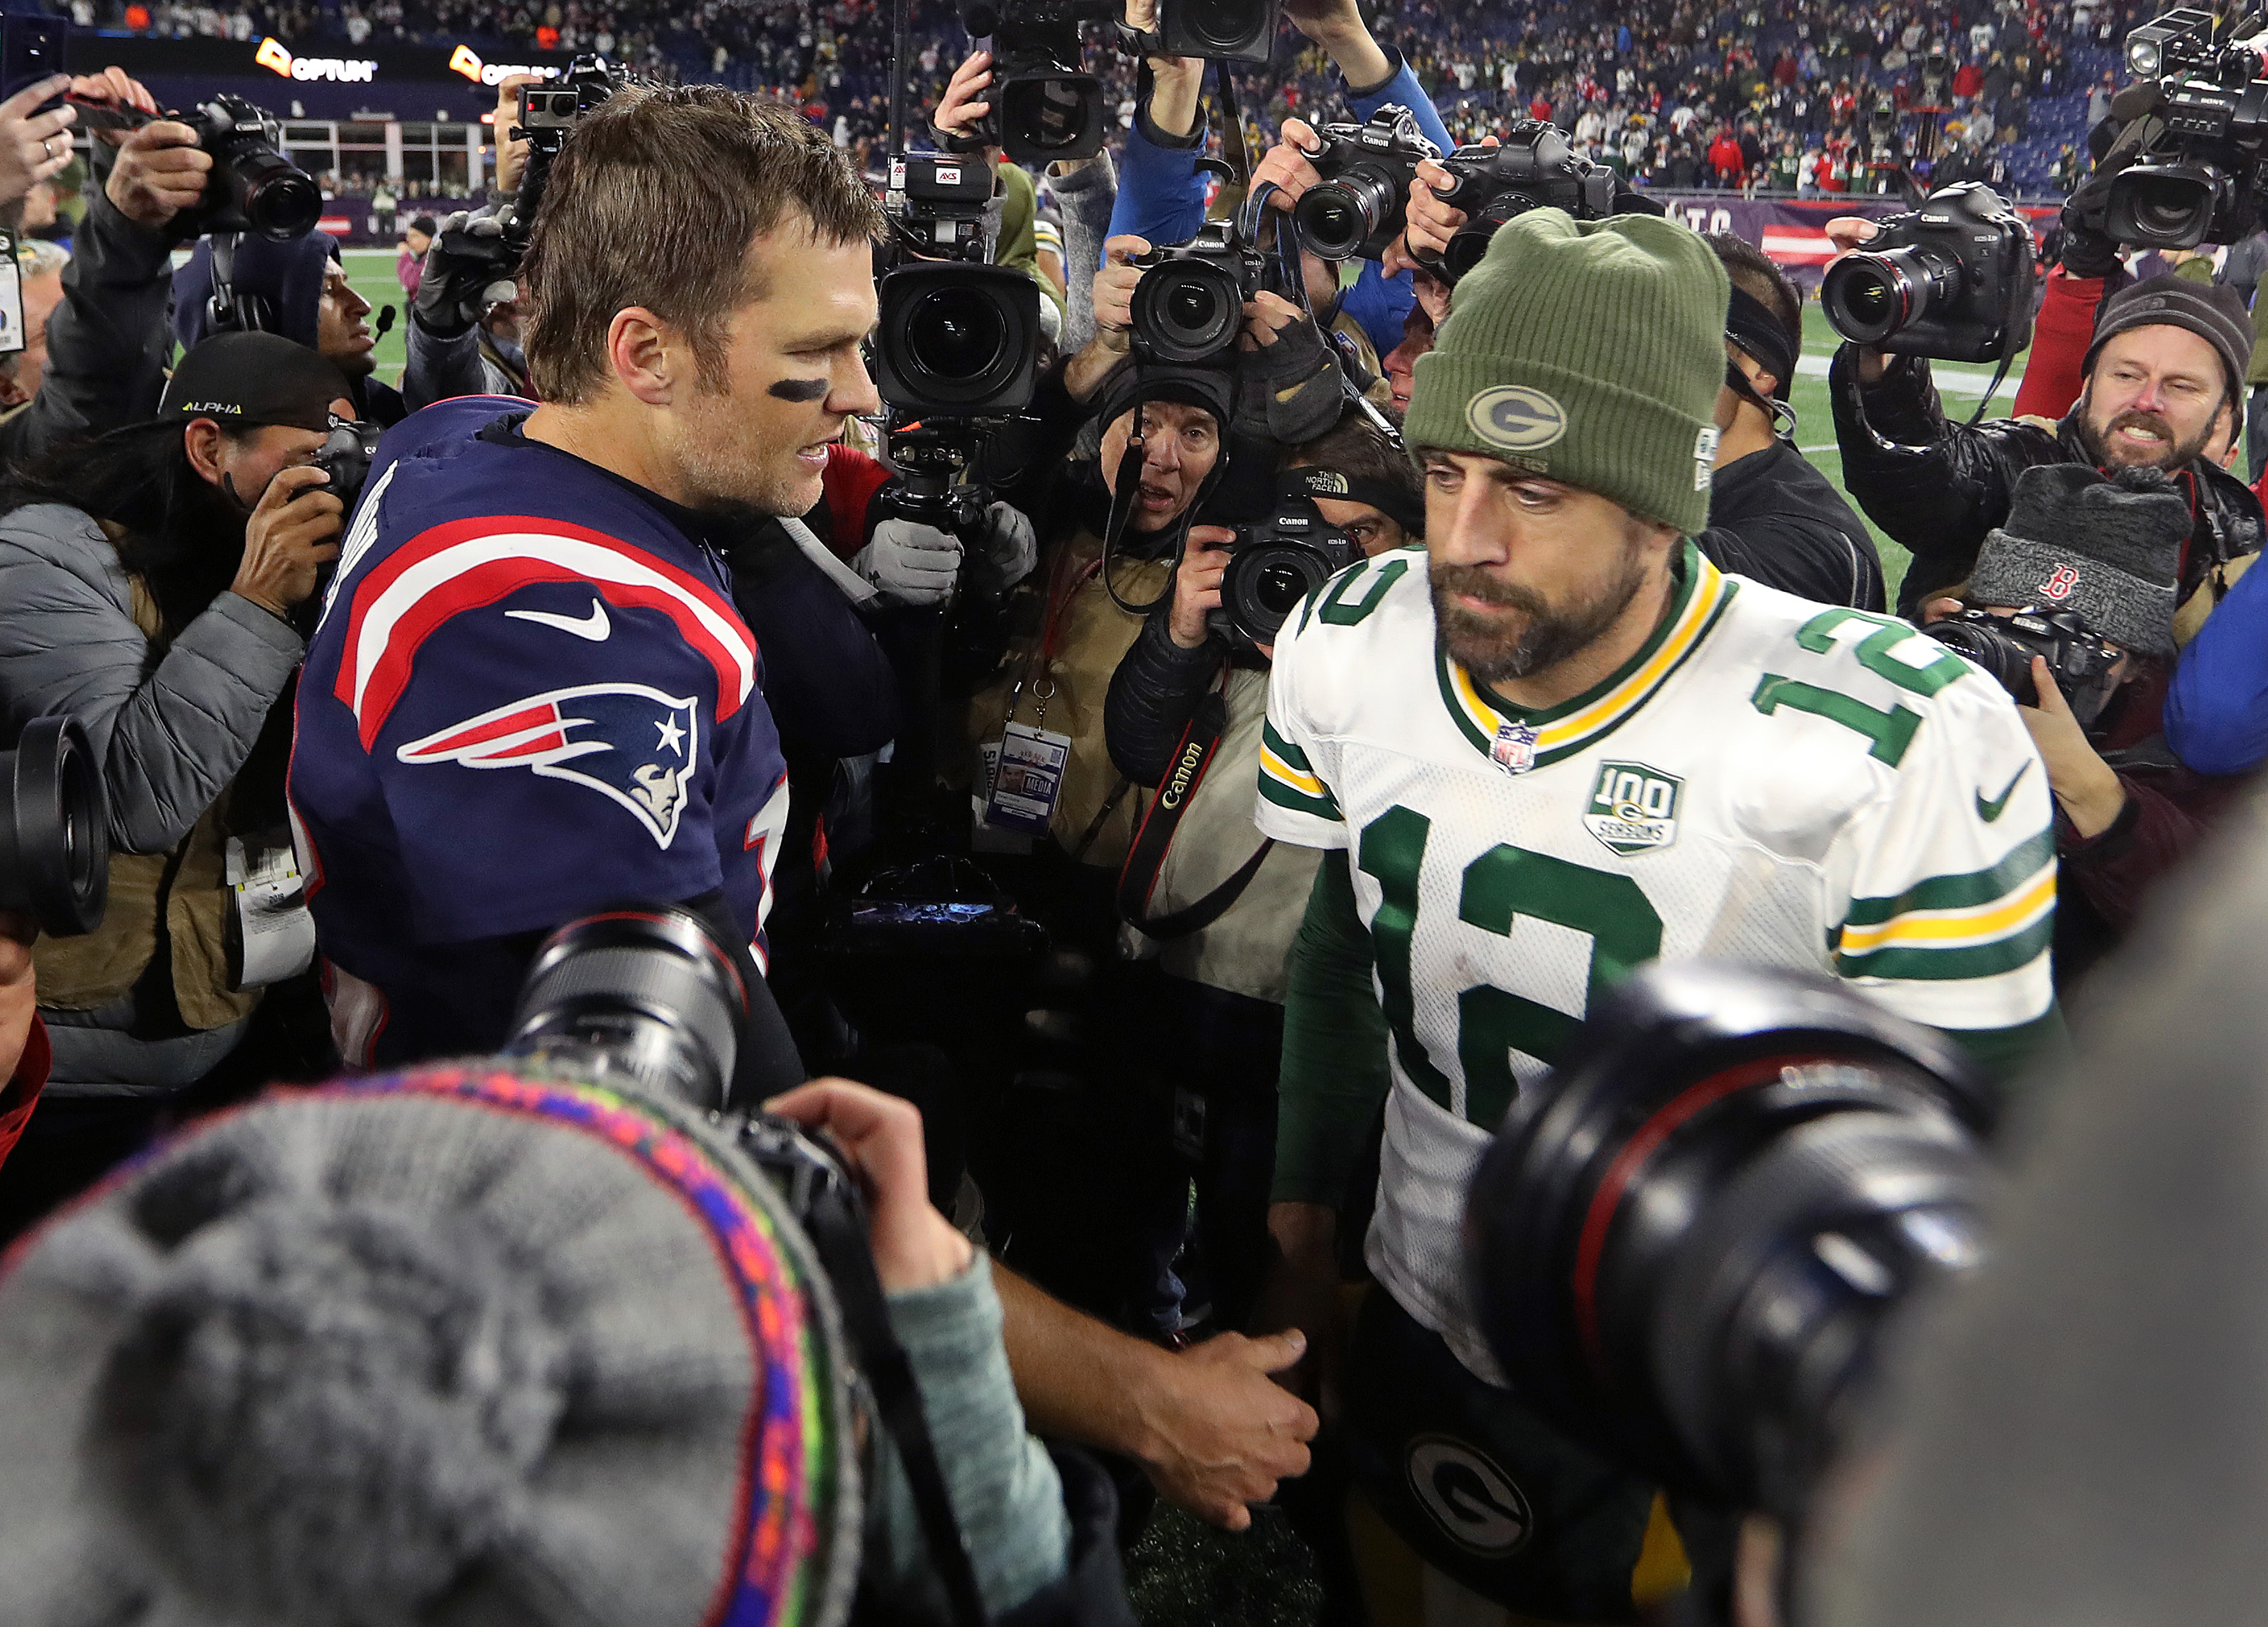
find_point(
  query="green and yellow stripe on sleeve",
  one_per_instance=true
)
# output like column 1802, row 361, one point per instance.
column 1948, row 928
column 1287, row 780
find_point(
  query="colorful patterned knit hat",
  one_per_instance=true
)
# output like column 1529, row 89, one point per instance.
column 467, row 1344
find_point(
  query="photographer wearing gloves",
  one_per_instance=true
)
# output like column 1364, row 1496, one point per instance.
column 2127, row 809
column 464, row 318
column 2167, row 358
column 150, row 586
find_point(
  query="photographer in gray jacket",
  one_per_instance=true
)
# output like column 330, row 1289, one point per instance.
column 149, row 585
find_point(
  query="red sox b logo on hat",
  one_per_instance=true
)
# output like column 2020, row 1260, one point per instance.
column 2060, row 584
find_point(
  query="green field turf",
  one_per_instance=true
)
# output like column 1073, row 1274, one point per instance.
column 372, row 273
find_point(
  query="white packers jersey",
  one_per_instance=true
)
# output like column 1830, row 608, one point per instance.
column 1768, row 781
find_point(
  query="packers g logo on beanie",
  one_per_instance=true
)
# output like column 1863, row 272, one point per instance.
column 1516, row 418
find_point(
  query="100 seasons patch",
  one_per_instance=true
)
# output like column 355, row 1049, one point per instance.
column 1633, row 808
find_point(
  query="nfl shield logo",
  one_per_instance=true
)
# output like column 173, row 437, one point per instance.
column 1514, row 751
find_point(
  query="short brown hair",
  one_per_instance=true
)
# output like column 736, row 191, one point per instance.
column 1758, row 275
column 655, row 202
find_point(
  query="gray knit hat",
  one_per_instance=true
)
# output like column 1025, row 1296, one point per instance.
column 2109, row 549
column 458, row 1346
column 1587, row 352
column 2213, row 312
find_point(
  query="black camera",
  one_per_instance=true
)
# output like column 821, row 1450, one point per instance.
column 253, row 186
column 1952, row 279
column 2004, row 646
column 345, row 455
column 956, row 335
column 54, row 840
column 1684, row 1244
column 1275, row 563
column 1235, row 31
column 2199, row 178
column 1188, row 307
column 1045, row 106
column 1363, row 202
column 1535, row 168
column 547, row 116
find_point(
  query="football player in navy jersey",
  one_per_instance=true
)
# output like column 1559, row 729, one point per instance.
column 530, row 694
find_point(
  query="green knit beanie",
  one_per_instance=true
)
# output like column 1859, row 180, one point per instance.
column 1590, row 351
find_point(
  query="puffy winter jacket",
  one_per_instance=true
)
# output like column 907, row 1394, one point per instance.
column 1937, row 488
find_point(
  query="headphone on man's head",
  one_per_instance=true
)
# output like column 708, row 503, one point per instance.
column 230, row 310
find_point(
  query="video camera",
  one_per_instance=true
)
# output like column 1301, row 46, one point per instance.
column 547, row 116
column 1188, row 307
column 957, row 336
column 253, row 186
column 2079, row 657
column 2198, row 179
column 1045, row 106
column 1683, row 1244
column 1952, row 279
column 1276, row 563
column 54, row 834
column 1535, row 168
column 1363, row 202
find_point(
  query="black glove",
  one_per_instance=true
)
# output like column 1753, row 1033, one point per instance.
column 1289, row 390
column 468, row 269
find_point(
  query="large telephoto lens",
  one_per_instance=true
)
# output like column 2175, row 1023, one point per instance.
column 1868, row 298
column 647, row 989
column 957, row 338
column 1681, row 1244
column 1188, row 311
column 54, row 839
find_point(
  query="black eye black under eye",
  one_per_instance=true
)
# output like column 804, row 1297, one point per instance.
column 800, row 389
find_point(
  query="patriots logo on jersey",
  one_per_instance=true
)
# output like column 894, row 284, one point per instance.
column 628, row 742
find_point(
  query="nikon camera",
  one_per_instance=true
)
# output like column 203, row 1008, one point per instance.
column 253, row 186
column 1188, row 307
column 1953, row 279
column 1276, row 563
column 1363, row 202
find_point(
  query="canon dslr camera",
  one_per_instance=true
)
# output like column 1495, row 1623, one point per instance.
column 1535, row 168
column 2080, row 659
column 1954, row 279
column 2199, row 179
column 1363, row 202
column 1275, row 563
column 253, row 186
column 1188, row 307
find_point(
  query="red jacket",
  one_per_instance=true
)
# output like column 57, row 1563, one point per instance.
column 1967, row 79
column 1724, row 155
column 2054, row 372
column 21, row 1093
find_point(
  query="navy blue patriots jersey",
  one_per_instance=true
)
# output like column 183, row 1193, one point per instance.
column 529, row 698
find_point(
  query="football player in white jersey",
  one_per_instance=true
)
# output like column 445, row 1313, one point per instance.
column 1553, row 744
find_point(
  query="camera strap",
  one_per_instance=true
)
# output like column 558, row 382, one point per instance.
column 1138, row 880
column 839, row 1238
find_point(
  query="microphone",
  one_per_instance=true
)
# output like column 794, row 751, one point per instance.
column 384, row 321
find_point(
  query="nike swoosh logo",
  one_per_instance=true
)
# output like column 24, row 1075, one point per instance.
column 1990, row 811
column 593, row 627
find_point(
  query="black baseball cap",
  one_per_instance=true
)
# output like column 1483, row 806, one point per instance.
column 243, row 380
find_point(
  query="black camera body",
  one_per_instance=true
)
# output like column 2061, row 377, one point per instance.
column 1188, row 307
column 1953, row 279
column 936, row 203
column 253, row 186
column 1045, row 106
column 2080, row 659
column 1363, row 202
column 1535, row 168
column 1275, row 563
column 345, row 456
column 2200, row 178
